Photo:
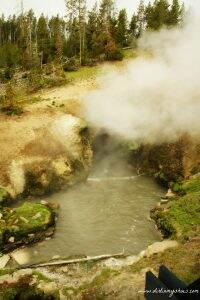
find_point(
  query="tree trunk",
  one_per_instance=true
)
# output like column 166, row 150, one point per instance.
column 72, row 261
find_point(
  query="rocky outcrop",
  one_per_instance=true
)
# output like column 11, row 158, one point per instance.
column 169, row 162
column 57, row 155
column 26, row 224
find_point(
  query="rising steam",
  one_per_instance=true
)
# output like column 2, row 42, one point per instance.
column 154, row 99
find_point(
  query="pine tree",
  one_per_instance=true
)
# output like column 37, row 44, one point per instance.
column 43, row 39
column 57, row 39
column 30, row 58
column 106, row 38
column 73, row 41
column 182, row 14
column 133, row 27
column 107, row 10
column 92, row 31
column 76, row 9
column 149, row 16
column 141, row 18
column 122, row 29
column 174, row 13
column 158, row 16
column 113, row 21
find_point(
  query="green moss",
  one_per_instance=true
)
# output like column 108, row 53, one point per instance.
column 93, row 288
column 88, row 265
column 30, row 218
column 41, row 277
column 6, row 271
column 26, row 219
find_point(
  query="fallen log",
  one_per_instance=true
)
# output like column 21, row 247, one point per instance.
column 72, row 261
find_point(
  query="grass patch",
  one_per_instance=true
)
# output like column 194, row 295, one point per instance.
column 183, row 261
column 192, row 185
column 83, row 73
column 180, row 218
column 130, row 53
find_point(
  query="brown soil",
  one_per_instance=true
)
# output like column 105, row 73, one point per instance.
column 19, row 134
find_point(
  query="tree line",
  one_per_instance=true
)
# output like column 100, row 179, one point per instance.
column 83, row 36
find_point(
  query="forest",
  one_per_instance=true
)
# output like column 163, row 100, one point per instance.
column 36, row 52
column 81, row 38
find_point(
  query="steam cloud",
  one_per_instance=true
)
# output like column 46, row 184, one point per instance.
column 154, row 99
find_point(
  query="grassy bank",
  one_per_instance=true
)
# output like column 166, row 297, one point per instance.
column 180, row 218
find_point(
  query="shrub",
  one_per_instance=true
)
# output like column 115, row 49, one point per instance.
column 35, row 81
column 13, row 110
column 38, row 80
column 88, row 61
column 161, row 178
column 71, row 64
column 9, row 103
column 6, row 75
column 48, row 69
column 117, row 54
column 177, row 188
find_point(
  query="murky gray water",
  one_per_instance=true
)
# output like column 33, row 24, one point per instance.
column 103, row 216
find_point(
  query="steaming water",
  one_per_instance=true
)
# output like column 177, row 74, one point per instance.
column 102, row 216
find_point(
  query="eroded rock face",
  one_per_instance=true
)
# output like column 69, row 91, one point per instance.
column 58, row 154
column 170, row 162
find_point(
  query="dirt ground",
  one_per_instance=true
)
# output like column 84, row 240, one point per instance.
column 16, row 132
